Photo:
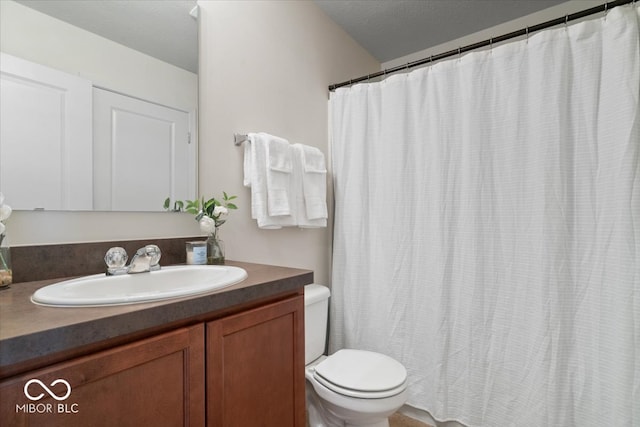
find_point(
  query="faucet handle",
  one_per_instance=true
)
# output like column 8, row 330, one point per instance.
column 154, row 254
column 116, row 259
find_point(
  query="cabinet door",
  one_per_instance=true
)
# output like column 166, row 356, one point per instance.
column 255, row 367
column 154, row 382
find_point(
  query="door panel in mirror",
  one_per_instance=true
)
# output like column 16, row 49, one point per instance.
column 45, row 137
column 142, row 153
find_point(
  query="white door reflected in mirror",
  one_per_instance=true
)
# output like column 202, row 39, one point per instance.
column 45, row 137
column 142, row 154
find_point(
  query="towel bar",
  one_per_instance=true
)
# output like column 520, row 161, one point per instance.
column 239, row 138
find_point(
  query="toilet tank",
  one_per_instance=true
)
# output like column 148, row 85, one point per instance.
column 316, row 309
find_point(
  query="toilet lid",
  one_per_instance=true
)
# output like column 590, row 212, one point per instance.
column 361, row 371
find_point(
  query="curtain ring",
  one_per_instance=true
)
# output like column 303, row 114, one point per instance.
column 491, row 43
column 606, row 9
column 566, row 19
column 459, row 53
column 527, row 34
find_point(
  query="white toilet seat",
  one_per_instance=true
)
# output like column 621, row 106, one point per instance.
column 360, row 394
column 361, row 374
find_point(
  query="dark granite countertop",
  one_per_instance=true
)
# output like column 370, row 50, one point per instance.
column 33, row 332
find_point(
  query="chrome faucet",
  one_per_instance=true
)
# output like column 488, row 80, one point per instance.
column 145, row 259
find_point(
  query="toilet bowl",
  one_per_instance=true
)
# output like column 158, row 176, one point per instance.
column 350, row 387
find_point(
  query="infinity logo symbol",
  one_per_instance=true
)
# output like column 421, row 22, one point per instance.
column 52, row 394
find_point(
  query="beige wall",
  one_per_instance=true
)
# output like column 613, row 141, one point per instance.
column 265, row 67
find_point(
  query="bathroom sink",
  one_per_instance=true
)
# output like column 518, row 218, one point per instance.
column 168, row 282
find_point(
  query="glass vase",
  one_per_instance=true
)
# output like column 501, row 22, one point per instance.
column 215, row 250
column 6, row 276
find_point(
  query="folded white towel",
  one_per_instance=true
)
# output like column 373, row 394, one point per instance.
column 313, row 160
column 256, row 177
column 255, row 174
column 249, row 153
column 311, row 187
column 278, row 175
column 314, row 182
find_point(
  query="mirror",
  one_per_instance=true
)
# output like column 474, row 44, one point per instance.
column 134, row 66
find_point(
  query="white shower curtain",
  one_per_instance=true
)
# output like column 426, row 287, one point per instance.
column 487, row 228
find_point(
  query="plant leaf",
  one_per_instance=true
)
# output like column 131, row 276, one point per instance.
column 167, row 203
column 209, row 206
column 193, row 205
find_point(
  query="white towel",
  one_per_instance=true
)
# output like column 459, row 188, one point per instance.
column 249, row 153
column 314, row 182
column 309, row 187
column 255, row 176
column 278, row 175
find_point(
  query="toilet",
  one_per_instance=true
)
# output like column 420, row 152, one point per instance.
column 350, row 387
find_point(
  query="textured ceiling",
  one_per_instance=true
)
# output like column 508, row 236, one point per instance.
column 389, row 29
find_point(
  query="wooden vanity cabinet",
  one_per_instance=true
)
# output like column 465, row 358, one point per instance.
column 246, row 369
column 158, row 381
column 255, row 367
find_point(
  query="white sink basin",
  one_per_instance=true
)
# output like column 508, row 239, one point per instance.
column 168, row 282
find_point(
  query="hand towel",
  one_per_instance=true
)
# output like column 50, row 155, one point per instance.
column 299, row 173
column 278, row 175
column 314, row 182
column 256, row 178
column 249, row 153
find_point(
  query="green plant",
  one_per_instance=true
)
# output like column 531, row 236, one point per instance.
column 209, row 213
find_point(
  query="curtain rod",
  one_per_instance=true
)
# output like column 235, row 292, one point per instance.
column 525, row 31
